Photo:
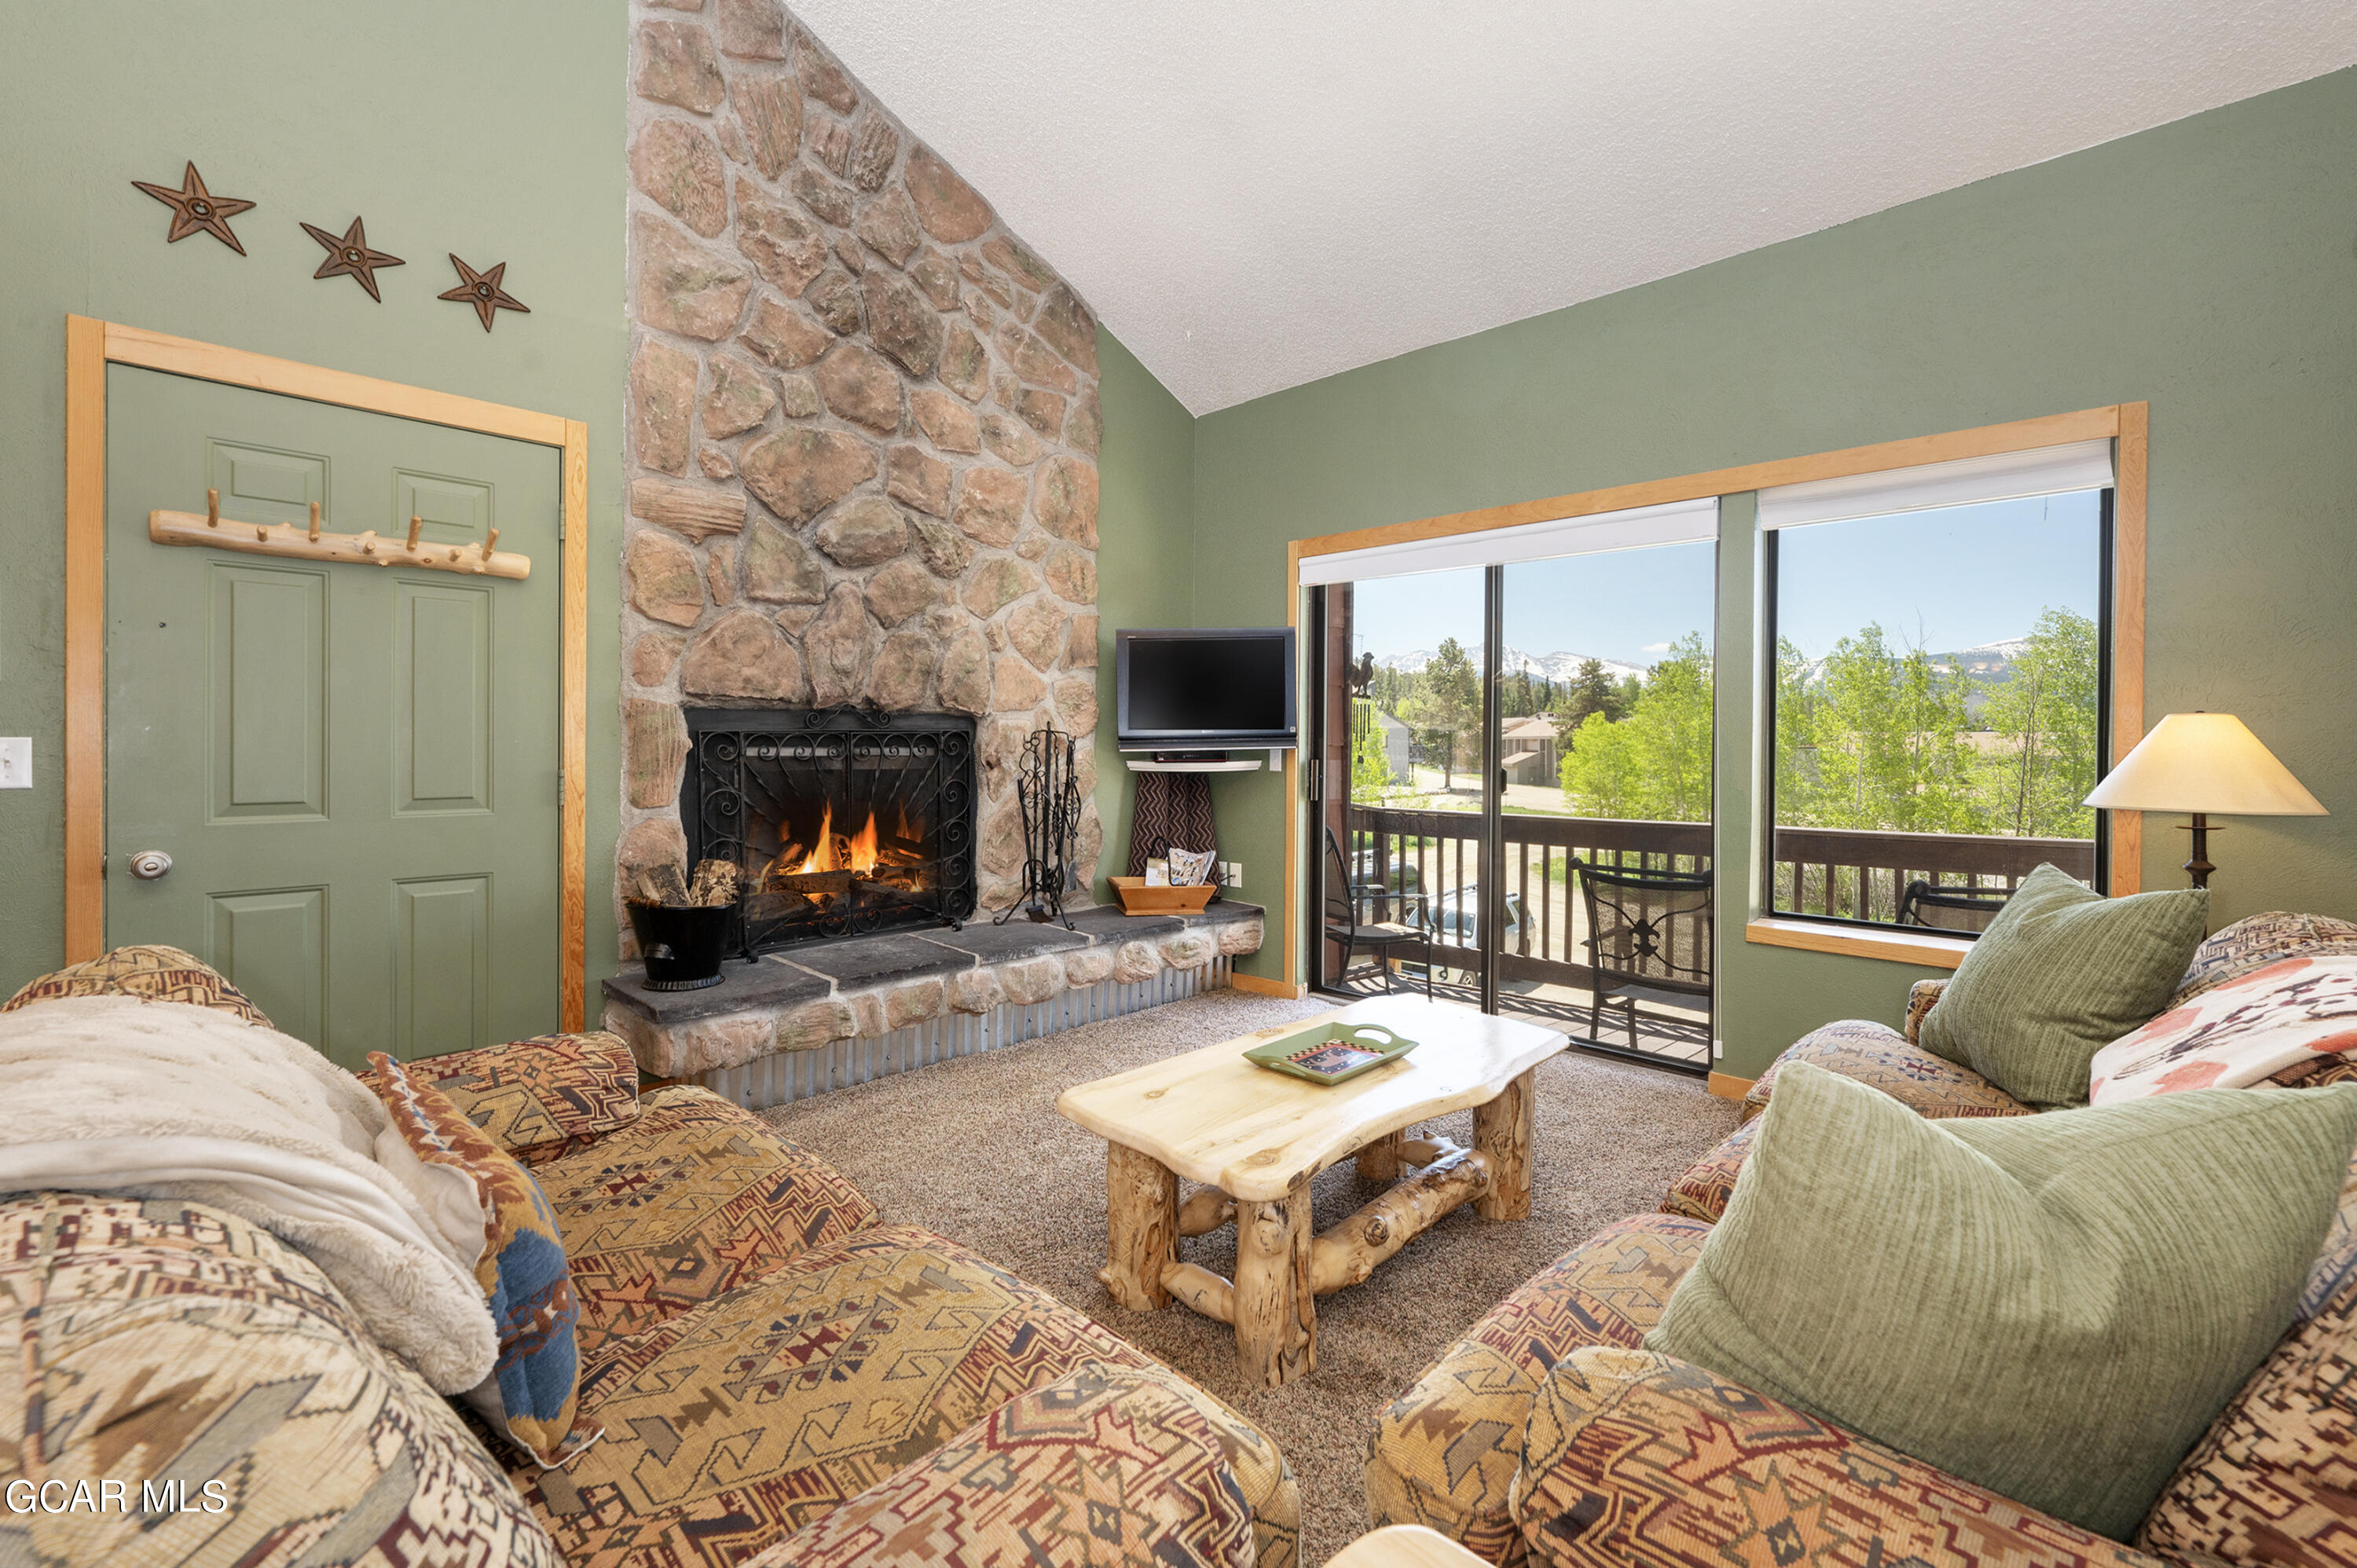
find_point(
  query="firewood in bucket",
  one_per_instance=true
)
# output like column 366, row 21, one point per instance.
column 716, row 884
column 661, row 884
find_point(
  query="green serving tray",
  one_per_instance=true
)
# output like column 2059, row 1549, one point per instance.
column 1273, row 1056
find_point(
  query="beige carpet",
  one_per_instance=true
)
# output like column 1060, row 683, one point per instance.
column 973, row 1149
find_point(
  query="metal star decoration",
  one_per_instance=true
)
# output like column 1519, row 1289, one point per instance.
column 482, row 291
column 350, row 257
column 194, row 208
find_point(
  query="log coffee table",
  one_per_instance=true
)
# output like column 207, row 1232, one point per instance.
column 1254, row 1138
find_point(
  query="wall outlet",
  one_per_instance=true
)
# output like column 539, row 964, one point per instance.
column 16, row 762
column 1232, row 872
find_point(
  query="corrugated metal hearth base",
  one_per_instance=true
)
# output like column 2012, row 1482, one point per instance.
column 783, row 1076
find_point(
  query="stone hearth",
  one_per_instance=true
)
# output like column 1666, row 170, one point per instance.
column 919, row 991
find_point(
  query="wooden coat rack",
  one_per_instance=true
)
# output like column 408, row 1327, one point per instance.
column 363, row 549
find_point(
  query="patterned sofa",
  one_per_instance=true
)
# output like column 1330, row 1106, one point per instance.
column 781, row 1377
column 1548, row 1435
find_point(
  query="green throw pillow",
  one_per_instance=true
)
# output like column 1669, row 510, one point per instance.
column 2062, row 972
column 2054, row 1307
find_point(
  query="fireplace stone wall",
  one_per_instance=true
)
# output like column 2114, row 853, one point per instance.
column 862, row 430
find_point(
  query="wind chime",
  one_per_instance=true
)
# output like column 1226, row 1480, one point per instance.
column 1050, row 795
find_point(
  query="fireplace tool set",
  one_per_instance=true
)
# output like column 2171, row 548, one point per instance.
column 1050, row 794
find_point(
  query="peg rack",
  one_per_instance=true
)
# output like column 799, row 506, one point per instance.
column 365, row 549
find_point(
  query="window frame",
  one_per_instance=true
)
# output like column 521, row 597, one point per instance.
column 1771, row 602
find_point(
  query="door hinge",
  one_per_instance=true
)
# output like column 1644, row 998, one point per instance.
column 560, row 787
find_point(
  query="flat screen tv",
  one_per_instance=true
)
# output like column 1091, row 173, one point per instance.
column 1199, row 688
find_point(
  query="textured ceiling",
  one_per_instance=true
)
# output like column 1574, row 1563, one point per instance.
column 1254, row 195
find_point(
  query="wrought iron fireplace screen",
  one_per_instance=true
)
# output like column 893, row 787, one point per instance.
column 844, row 819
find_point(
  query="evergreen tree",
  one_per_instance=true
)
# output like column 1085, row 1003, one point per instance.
column 1449, row 708
column 1589, row 692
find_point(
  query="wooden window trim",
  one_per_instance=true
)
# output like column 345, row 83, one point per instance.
column 2125, row 423
column 1894, row 944
column 93, row 345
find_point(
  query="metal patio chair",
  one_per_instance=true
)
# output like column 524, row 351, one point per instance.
column 1380, row 938
column 1649, row 939
column 1964, row 908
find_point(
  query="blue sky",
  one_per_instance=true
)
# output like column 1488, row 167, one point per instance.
column 1953, row 578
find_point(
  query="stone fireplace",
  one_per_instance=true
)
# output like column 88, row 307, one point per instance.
column 859, row 571
column 842, row 820
column 862, row 435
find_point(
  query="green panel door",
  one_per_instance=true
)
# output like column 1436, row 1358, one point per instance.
column 354, row 770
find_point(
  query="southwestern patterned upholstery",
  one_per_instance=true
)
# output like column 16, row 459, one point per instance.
column 539, row 1098
column 1102, row 1455
column 760, row 1352
column 1702, row 1193
column 1445, row 1453
column 168, row 1342
column 813, row 1385
column 152, row 973
column 694, row 1199
column 1635, row 1460
column 1921, row 997
column 1612, row 1456
column 2273, row 1480
column 1874, row 1054
column 2258, row 940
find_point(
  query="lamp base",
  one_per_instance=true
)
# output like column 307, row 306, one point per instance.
column 2199, row 867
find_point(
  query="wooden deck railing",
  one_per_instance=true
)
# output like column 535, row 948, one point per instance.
column 1862, row 876
column 1818, row 871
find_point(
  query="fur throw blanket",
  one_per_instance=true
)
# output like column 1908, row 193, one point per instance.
column 115, row 1094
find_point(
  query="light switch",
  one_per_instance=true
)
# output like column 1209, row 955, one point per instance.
column 16, row 762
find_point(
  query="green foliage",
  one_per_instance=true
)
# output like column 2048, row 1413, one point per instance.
column 1371, row 767
column 1880, row 744
column 1448, row 708
column 2034, row 780
column 1654, row 764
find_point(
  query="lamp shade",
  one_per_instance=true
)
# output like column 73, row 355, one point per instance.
column 2208, row 763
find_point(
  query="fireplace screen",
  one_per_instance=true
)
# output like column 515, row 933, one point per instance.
column 844, row 819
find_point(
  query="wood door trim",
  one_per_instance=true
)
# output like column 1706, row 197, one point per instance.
column 2127, row 424
column 317, row 384
column 90, row 345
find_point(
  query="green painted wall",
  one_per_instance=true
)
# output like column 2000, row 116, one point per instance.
column 2205, row 266
column 1146, row 524
column 494, row 131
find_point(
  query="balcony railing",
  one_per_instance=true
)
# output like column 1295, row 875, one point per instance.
column 1838, row 872
column 1858, row 875
column 1437, row 854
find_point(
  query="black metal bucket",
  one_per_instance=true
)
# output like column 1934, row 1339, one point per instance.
column 680, row 943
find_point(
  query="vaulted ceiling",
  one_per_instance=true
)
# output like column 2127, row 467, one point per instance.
column 1257, row 193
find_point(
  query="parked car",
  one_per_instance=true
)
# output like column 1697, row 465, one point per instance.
column 1454, row 919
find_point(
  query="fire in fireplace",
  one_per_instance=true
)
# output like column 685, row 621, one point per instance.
column 843, row 820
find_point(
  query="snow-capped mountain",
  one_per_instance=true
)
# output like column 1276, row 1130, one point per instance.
column 1989, row 661
column 1556, row 667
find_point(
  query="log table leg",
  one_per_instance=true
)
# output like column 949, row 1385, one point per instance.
column 1380, row 1161
column 1275, row 1310
column 1141, row 1228
column 1501, row 1131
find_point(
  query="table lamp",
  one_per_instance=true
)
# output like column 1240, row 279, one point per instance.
column 2201, row 763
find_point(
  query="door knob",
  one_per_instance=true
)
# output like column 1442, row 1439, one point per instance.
column 149, row 864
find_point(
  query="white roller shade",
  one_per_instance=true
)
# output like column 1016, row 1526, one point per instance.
column 2000, row 476
column 1678, row 522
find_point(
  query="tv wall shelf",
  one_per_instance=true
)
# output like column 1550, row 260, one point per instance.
column 1146, row 765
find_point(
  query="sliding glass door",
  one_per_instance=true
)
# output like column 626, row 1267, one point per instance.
column 1513, row 791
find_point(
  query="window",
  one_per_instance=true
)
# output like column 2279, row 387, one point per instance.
column 1941, row 648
